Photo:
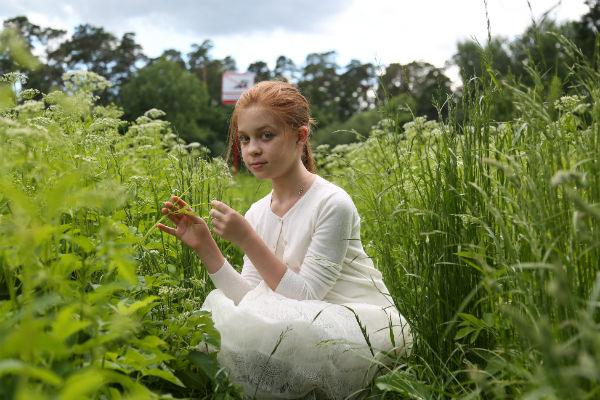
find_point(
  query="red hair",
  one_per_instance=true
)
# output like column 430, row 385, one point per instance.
column 285, row 102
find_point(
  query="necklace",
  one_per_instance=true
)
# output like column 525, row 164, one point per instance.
column 300, row 193
column 281, row 209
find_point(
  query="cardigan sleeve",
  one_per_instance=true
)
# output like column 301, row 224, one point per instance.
column 230, row 282
column 328, row 247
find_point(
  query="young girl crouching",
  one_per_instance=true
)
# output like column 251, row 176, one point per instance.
column 309, row 313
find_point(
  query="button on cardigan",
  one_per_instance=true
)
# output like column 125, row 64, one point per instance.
column 318, row 239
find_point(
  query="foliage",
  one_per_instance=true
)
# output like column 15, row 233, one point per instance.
column 488, row 236
column 40, row 75
column 96, row 303
column 358, row 127
column 260, row 70
column 15, row 54
column 321, row 85
column 89, row 48
column 162, row 84
column 425, row 83
column 587, row 29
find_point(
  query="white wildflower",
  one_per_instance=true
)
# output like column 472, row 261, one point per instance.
column 154, row 113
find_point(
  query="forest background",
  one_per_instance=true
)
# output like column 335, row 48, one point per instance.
column 345, row 99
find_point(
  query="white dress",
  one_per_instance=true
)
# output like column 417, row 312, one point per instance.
column 330, row 317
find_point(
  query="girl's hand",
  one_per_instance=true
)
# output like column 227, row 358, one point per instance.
column 190, row 228
column 229, row 224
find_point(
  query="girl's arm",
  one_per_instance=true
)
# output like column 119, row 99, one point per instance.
column 233, row 227
column 336, row 229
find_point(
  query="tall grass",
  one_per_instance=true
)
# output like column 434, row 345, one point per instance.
column 96, row 302
column 487, row 233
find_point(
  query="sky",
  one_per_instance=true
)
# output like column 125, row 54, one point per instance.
column 372, row 31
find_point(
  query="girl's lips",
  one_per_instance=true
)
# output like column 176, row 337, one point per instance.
column 257, row 165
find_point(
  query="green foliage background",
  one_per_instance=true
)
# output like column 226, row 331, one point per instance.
column 95, row 301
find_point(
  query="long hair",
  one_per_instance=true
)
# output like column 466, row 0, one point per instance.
column 285, row 102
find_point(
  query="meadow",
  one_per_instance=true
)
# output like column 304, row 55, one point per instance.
column 487, row 233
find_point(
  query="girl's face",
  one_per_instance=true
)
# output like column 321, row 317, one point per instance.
column 270, row 149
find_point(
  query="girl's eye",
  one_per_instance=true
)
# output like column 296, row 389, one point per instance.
column 244, row 139
column 267, row 135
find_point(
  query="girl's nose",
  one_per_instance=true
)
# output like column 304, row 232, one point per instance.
column 254, row 147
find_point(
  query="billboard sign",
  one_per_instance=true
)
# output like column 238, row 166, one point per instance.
column 234, row 84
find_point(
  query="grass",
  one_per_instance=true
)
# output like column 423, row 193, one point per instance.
column 487, row 233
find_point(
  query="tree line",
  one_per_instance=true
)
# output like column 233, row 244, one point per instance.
column 351, row 97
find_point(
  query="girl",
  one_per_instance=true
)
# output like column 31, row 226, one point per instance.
column 309, row 313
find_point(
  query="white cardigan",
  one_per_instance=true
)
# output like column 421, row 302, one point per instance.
column 319, row 241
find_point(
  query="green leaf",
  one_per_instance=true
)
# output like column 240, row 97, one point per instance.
column 150, row 342
column 6, row 97
column 12, row 366
column 65, row 324
column 66, row 263
column 473, row 320
column 463, row 332
column 135, row 360
column 206, row 363
column 404, row 384
column 193, row 380
column 488, row 318
column 146, row 304
column 79, row 385
column 83, row 242
column 166, row 375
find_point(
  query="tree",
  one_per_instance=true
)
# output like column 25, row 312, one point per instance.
column 261, row 71
column 472, row 58
column 539, row 48
column 360, row 124
column 90, row 48
column 356, row 89
column 285, row 69
column 586, row 30
column 210, row 71
column 48, row 74
column 164, row 84
column 321, row 85
column 127, row 54
column 172, row 55
column 424, row 82
column 93, row 49
column 199, row 59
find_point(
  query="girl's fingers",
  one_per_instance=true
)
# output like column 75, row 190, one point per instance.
column 169, row 207
column 175, row 218
column 178, row 210
column 217, row 229
column 222, row 207
column 166, row 229
column 171, row 210
column 216, row 214
column 182, row 204
column 165, row 210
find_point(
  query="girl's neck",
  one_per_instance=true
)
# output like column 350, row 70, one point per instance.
column 288, row 189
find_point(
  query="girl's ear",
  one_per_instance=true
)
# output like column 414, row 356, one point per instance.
column 302, row 135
